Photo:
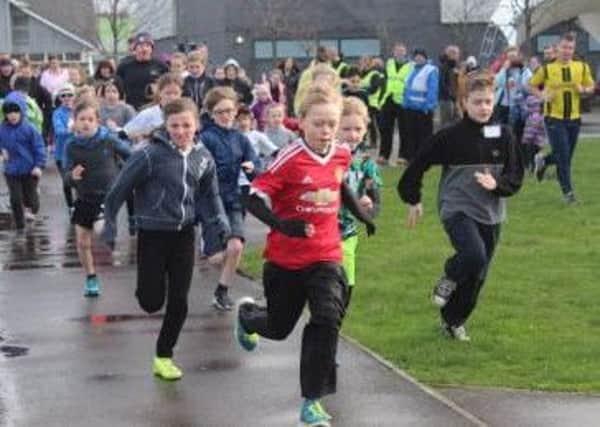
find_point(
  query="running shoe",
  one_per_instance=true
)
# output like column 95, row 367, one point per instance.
column 163, row 367
column 247, row 341
column 540, row 166
column 222, row 301
column 458, row 333
column 92, row 287
column 443, row 291
column 312, row 414
column 570, row 198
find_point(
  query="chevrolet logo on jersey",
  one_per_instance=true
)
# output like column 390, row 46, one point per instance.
column 321, row 197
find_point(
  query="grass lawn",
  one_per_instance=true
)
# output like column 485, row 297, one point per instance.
column 537, row 325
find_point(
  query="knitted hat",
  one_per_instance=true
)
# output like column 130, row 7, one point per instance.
column 64, row 89
column 143, row 38
column 420, row 51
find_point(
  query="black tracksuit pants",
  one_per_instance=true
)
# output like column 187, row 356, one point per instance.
column 391, row 113
column 323, row 287
column 474, row 243
column 419, row 128
column 165, row 269
column 22, row 192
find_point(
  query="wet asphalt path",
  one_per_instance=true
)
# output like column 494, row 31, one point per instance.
column 70, row 361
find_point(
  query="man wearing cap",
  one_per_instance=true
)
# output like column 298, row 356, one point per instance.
column 139, row 73
column 420, row 101
column 6, row 72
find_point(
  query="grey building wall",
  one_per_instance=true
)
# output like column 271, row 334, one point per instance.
column 416, row 24
column 44, row 39
column 5, row 34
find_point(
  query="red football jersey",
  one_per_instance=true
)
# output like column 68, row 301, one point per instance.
column 305, row 186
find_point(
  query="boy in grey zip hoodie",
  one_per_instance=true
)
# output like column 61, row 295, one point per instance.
column 174, row 180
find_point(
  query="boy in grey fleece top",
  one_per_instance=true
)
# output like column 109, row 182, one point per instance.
column 481, row 166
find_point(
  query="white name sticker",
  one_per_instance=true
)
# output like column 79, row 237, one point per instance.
column 492, row 131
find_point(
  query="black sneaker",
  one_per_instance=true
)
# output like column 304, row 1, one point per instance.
column 443, row 291
column 222, row 301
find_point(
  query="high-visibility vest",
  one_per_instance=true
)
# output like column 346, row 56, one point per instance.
column 341, row 67
column 374, row 98
column 396, row 80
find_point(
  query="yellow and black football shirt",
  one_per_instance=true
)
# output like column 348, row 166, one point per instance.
column 561, row 79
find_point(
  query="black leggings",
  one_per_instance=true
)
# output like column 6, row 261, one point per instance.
column 165, row 268
column 23, row 193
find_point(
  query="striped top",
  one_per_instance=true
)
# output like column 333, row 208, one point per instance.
column 561, row 81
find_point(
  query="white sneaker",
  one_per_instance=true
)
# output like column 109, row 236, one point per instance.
column 459, row 333
column 443, row 291
column 29, row 216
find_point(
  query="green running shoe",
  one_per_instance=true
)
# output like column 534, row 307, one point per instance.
column 312, row 414
column 164, row 368
column 247, row 341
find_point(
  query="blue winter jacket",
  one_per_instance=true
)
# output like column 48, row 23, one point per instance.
column 22, row 142
column 172, row 190
column 60, row 124
column 421, row 90
column 230, row 148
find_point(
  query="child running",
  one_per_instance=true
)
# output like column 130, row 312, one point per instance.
column 363, row 178
column 171, row 177
column 169, row 88
column 275, row 129
column 90, row 167
column 115, row 114
column 62, row 125
column 481, row 166
column 232, row 153
column 303, row 252
column 24, row 154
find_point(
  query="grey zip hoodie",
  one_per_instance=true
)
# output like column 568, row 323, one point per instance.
column 172, row 189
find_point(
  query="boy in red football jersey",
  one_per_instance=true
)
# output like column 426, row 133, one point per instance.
column 305, row 187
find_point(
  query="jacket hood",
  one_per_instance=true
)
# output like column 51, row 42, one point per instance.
column 19, row 99
column 101, row 133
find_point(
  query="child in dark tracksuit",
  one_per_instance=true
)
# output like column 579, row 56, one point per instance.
column 90, row 166
column 172, row 178
column 24, row 156
column 233, row 154
column 481, row 166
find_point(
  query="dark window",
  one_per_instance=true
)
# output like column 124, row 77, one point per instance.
column 360, row 47
column 72, row 56
column 263, row 49
column 295, row 48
